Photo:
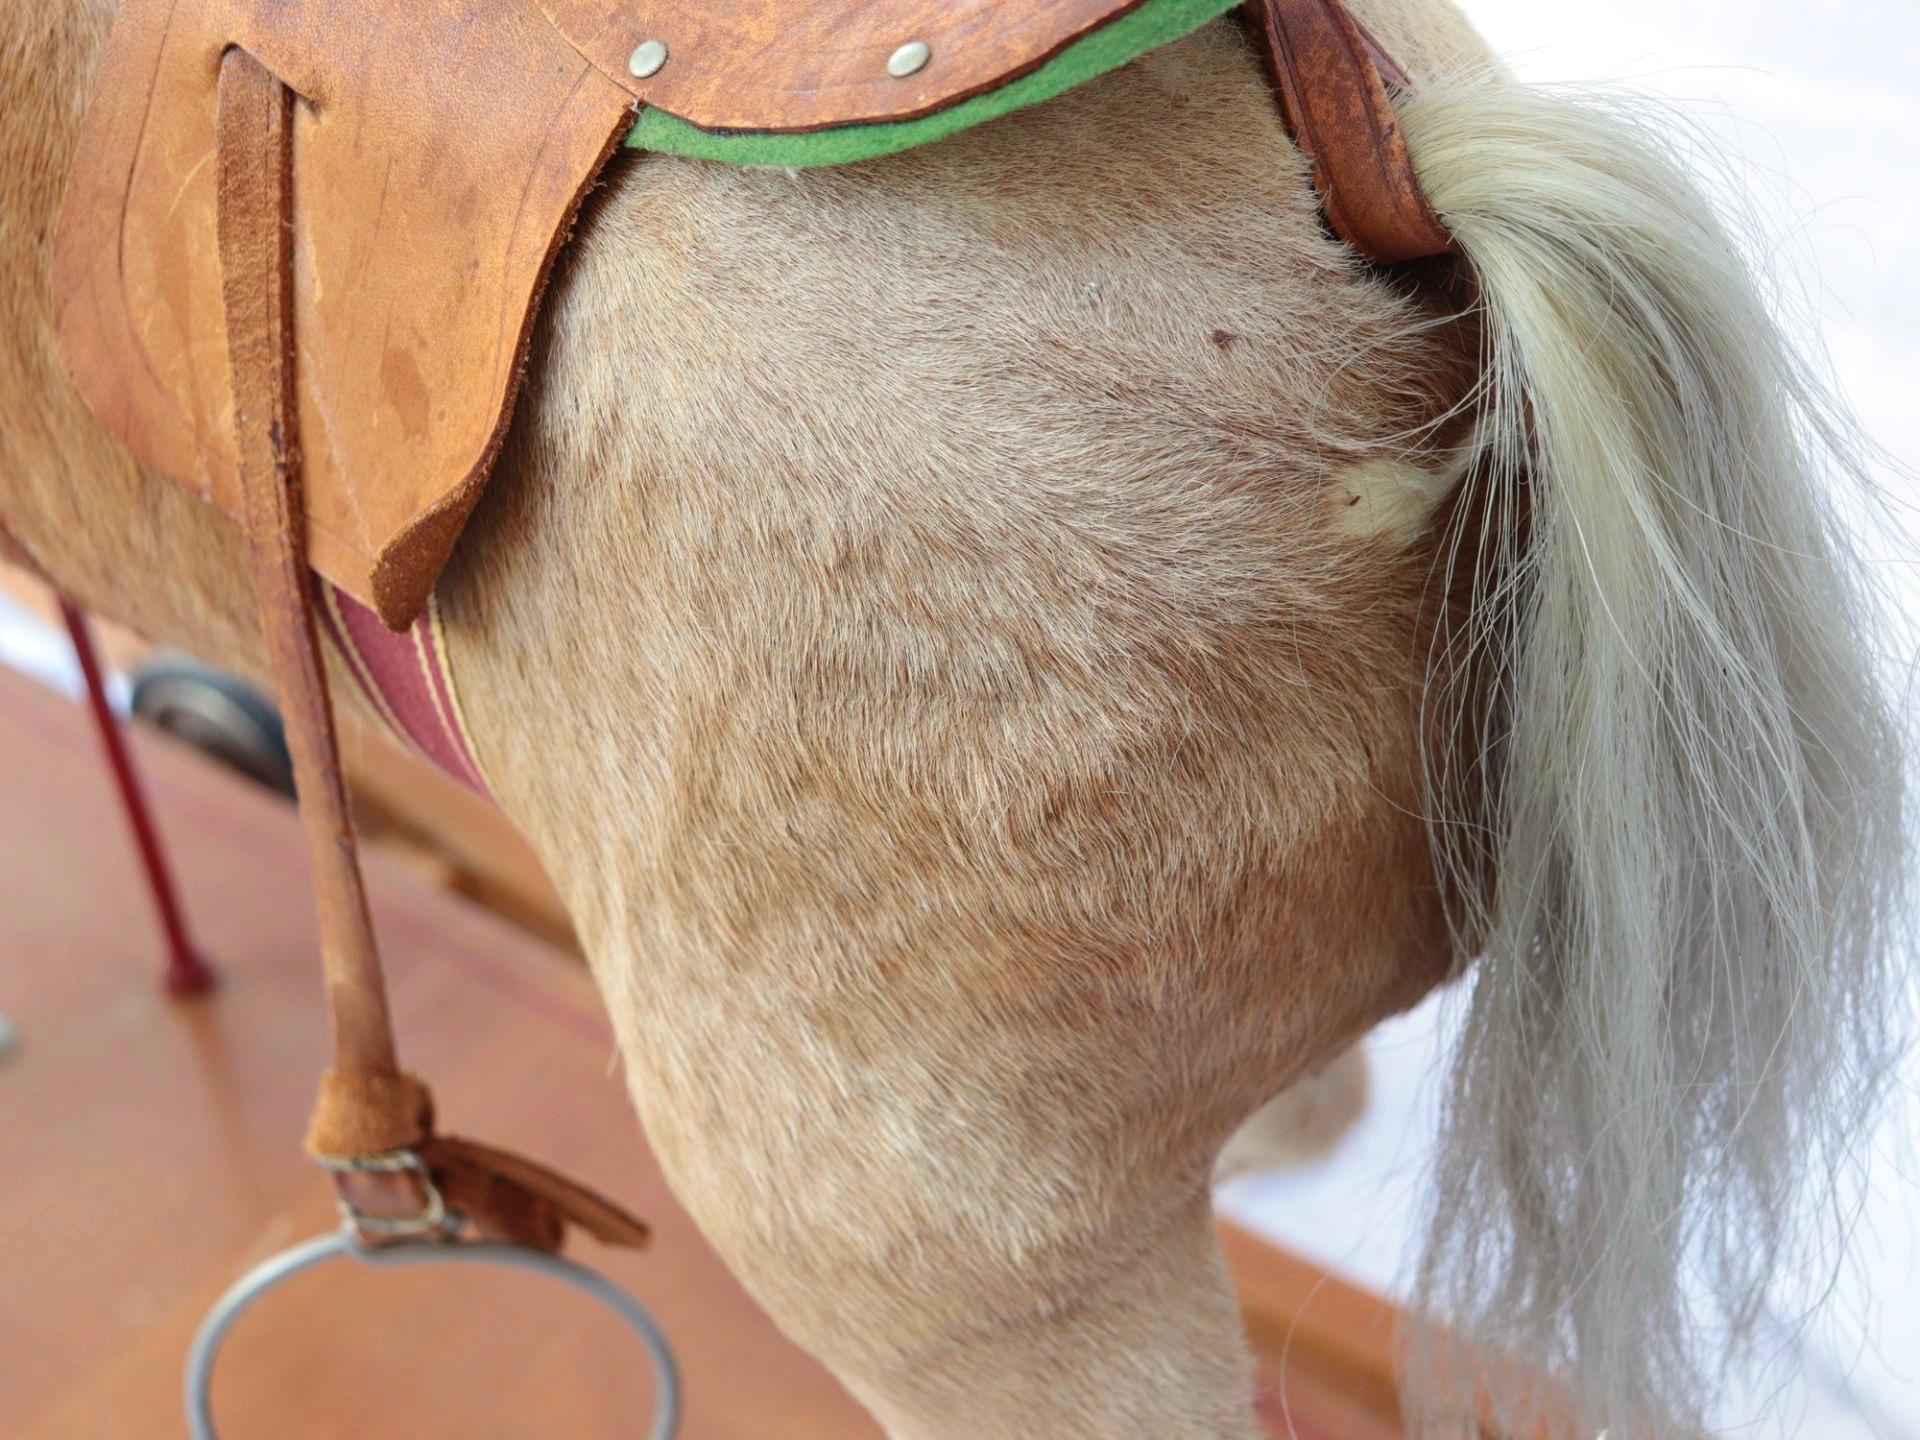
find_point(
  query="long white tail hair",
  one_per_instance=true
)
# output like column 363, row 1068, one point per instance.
column 1683, row 889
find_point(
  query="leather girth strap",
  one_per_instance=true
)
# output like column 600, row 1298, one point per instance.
column 1332, row 78
column 373, row 1126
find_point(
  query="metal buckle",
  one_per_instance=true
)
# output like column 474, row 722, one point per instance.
column 432, row 1219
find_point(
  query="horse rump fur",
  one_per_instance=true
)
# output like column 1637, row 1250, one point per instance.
column 1682, row 895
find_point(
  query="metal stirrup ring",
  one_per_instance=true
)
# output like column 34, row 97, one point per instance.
column 284, row 1266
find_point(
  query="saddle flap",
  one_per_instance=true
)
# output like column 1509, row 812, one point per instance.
column 772, row 65
column 440, row 153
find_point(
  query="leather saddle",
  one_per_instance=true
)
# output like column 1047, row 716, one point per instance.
column 441, row 150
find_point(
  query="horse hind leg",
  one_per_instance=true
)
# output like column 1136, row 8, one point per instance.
column 1148, row 1347
column 983, row 1235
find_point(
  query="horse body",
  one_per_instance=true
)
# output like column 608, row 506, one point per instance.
column 959, row 631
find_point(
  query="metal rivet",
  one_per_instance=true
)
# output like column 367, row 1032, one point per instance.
column 647, row 58
column 908, row 58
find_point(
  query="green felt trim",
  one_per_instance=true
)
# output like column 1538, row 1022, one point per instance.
column 1113, row 44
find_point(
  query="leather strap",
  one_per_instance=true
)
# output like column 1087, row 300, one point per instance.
column 373, row 1124
column 256, row 258
column 1332, row 79
column 512, row 1198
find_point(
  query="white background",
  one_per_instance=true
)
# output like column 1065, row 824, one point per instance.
column 1822, row 101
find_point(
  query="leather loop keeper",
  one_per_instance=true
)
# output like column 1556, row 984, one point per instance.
column 1332, row 78
column 361, row 1113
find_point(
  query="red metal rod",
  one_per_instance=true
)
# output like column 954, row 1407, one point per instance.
column 187, row 973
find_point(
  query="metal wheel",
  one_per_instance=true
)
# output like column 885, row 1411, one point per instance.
column 216, row 714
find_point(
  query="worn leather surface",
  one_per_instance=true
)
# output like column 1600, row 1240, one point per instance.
column 440, row 151
column 1332, row 79
column 358, row 1111
column 252, row 171
column 785, row 66
column 510, row 1197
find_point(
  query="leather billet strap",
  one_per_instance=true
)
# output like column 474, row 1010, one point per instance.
column 373, row 1125
column 256, row 253
column 1332, row 78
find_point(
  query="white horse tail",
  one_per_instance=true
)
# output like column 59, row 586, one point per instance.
column 1678, row 819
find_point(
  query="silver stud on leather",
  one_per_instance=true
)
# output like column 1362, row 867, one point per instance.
column 909, row 58
column 647, row 58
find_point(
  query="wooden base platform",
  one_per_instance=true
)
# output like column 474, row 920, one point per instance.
column 149, row 1153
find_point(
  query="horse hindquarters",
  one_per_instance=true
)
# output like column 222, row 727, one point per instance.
column 967, row 821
